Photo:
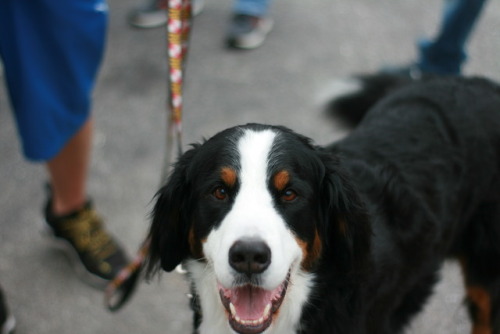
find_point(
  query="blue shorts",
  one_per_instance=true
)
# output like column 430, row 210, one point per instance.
column 51, row 51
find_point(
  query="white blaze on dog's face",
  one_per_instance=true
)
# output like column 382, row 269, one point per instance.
column 254, row 262
column 253, row 216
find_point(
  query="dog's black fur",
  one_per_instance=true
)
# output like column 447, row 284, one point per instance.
column 416, row 182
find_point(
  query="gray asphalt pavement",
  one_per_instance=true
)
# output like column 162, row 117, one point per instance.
column 283, row 82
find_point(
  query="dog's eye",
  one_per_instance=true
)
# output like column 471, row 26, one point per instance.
column 289, row 195
column 220, row 193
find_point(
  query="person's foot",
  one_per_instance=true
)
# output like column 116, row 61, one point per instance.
column 96, row 256
column 7, row 321
column 248, row 32
column 155, row 14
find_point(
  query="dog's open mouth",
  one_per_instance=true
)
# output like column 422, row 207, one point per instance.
column 250, row 308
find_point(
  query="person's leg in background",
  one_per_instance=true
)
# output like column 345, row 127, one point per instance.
column 68, row 172
column 248, row 28
column 446, row 53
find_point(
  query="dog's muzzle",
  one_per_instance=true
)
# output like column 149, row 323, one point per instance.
column 249, row 307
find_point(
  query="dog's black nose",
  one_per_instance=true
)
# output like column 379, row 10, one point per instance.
column 249, row 256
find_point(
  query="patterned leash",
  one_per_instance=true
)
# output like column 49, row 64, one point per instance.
column 123, row 285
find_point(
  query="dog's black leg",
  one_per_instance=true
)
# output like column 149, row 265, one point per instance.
column 413, row 302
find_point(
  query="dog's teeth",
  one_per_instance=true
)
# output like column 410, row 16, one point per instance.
column 265, row 315
column 232, row 309
column 267, row 310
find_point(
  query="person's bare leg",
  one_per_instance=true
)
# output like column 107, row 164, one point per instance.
column 72, row 220
column 68, row 172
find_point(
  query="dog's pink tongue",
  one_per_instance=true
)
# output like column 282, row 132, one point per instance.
column 250, row 302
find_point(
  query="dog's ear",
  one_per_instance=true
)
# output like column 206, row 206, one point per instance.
column 344, row 219
column 171, row 220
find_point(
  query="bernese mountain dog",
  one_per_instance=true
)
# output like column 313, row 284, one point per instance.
column 279, row 235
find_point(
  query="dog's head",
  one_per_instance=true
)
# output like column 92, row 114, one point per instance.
column 252, row 212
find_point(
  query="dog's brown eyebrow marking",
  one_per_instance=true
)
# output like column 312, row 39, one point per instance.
column 228, row 176
column 281, row 180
